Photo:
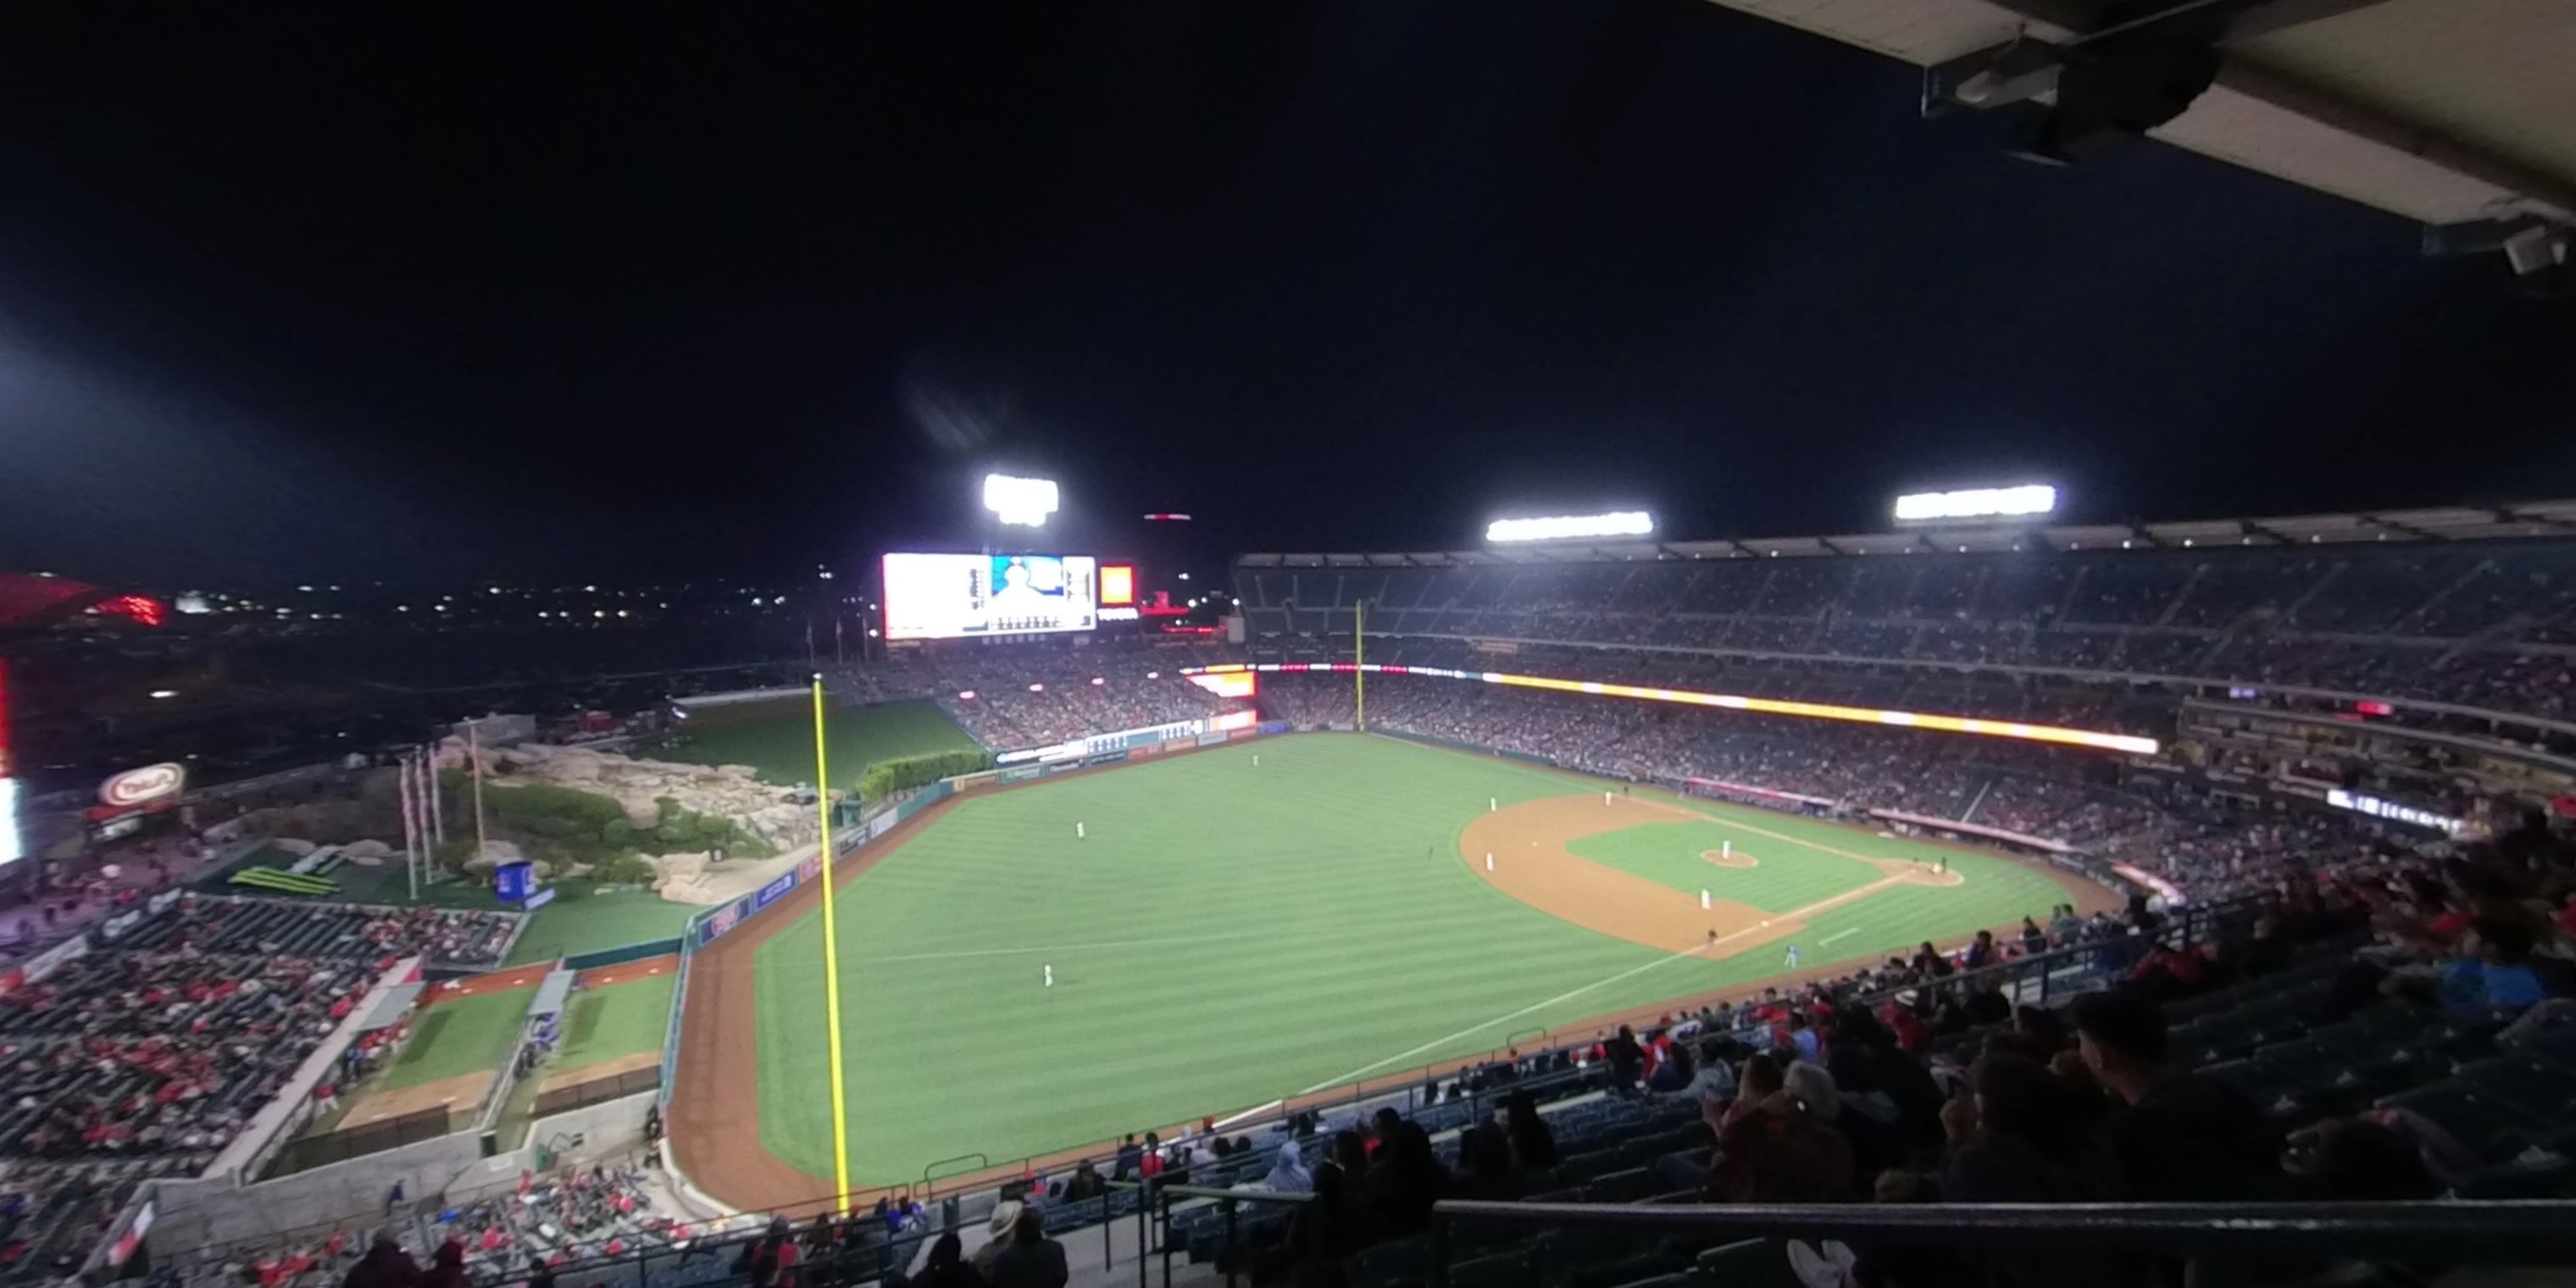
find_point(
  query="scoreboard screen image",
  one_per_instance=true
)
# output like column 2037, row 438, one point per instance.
column 940, row 597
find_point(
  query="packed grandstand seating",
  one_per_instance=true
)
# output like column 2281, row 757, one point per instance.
column 123, row 1066
column 160, row 1055
column 476, row 938
column 570, row 1217
column 1032, row 699
column 2483, row 624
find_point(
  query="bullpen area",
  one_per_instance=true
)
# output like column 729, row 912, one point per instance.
column 1255, row 922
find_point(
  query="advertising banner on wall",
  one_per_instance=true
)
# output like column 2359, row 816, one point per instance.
column 773, row 892
column 722, row 920
column 143, row 785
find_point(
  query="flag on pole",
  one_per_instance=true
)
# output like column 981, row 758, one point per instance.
column 437, row 808
column 411, row 825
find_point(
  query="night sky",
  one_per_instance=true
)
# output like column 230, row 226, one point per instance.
column 401, row 292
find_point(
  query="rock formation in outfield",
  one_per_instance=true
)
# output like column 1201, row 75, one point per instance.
column 721, row 791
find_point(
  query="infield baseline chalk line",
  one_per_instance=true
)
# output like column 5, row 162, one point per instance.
column 1863, row 892
column 1837, row 935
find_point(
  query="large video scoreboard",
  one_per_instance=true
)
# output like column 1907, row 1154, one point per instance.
column 941, row 596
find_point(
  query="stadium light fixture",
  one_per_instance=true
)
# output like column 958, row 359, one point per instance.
column 1977, row 503
column 1022, row 502
column 1566, row 527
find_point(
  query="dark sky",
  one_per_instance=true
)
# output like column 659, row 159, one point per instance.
column 366, row 290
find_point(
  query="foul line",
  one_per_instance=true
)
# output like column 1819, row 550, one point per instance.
column 1837, row 935
column 1780, row 919
column 1247, row 1115
column 1568, row 995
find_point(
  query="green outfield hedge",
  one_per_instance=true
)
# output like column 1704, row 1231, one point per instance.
column 886, row 777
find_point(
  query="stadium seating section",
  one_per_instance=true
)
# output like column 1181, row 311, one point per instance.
column 2481, row 624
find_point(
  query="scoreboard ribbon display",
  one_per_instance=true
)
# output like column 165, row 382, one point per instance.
column 1768, row 706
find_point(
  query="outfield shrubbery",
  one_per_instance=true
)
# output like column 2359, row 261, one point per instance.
column 886, row 777
column 564, row 825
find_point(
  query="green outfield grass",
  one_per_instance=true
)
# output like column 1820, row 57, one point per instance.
column 585, row 920
column 467, row 1035
column 777, row 738
column 1230, row 934
column 619, row 1020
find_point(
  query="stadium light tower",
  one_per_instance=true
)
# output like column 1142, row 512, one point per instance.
column 2030, row 500
column 1569, row 527
column 1019, row 502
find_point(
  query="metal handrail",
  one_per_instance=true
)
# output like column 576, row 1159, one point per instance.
column 2516, row 1231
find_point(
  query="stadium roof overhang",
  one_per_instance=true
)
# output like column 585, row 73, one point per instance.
column 2449, row 523
column 30, row 601
column 2446, row 112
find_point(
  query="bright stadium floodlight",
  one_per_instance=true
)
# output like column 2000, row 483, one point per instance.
column 1025, row 502
column 1977, row 503
column 1566, row 527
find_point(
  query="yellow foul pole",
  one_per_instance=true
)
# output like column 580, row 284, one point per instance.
column 1359, row 655
column 831, row 968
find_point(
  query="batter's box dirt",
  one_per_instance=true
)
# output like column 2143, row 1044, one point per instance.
column 1543, row 872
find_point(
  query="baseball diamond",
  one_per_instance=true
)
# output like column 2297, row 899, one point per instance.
column 1226, row 935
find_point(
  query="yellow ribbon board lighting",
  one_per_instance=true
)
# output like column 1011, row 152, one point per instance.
column 2057, row 734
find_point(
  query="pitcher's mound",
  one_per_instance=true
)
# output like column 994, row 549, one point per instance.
column 1721, row 858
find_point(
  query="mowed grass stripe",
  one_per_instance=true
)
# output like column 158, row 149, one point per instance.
column 1352, row 932
column 460, row 1036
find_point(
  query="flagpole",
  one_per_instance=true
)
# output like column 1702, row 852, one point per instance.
column 474, row 748
column 1359, row 659
column 437, row 812
column 411, row 827
column 831, row 965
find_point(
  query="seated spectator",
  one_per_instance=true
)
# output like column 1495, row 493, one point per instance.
column 1714, row 1083
column 1533, row 1145
column 1627, row 1060
column 386, row 1265
column 1407, row 1178
column 2494, row 977
column 1288, row 1174
column 1030, row 1259
column 1485, row 1168
column 2021, row 1138
column 1779, row 1144
column 998, row 1229
column 2175, row 1137
column 948, row 1267
column 1324, row 1229
column 1674, row 1071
